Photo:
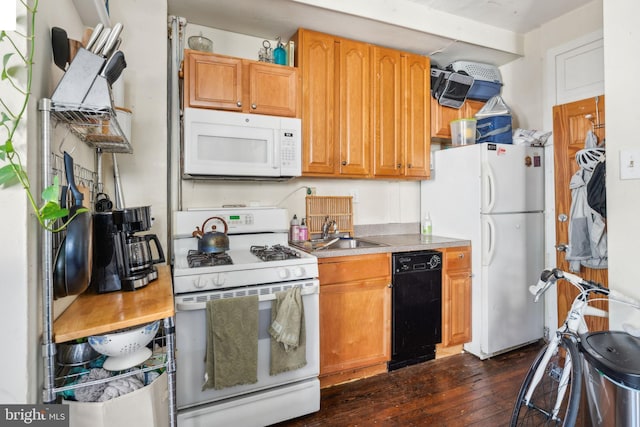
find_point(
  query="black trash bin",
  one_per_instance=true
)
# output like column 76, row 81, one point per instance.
column 612, row 377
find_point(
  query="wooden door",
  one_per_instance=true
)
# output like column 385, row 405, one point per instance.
column 570, row 127
column 387, row 111
column 417, row 116
column 212, row 81
column 354, row 106
column 273, row 89
column 315, row 56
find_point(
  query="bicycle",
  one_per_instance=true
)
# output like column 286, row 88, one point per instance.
column 550, row 392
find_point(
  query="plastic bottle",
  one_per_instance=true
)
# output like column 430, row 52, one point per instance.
column 279, row 54
column 294, row 229
column 303, row 231
column 425, row 229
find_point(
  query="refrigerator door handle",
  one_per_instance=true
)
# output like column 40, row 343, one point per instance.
column 488, row 199
column 489, row 248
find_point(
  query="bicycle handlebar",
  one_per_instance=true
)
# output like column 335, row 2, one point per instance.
column 549, row 277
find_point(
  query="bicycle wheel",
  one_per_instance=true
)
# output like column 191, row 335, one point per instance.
column 538, row 412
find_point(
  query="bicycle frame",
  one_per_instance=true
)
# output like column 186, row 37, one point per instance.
column 573, row 325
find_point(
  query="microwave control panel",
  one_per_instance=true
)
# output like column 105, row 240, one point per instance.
column 290, row 152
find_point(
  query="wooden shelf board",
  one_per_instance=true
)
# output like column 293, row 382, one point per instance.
column 94, row 314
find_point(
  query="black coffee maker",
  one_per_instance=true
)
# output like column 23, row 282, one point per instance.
column 123, row 260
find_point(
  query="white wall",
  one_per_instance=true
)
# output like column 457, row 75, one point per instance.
column 527, row 93
column 621, row 34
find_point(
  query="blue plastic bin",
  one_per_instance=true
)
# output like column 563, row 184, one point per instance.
column 482, row 90
column 494, row 129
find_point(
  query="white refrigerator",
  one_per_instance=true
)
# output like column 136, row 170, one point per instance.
column 493, row 195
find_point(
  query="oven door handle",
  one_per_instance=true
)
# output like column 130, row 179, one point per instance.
column 191, row 306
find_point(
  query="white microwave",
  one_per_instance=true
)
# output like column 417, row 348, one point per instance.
column 222, row 144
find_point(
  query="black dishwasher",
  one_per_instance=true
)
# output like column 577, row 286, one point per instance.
column 416, row 300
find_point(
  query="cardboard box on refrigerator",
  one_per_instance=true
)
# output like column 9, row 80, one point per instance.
column 145, row 407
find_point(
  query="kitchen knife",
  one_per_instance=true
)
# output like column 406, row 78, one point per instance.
column 104, row 35
column 60, row 45
column 94, row 37
column 114, row 67
column 109, row 45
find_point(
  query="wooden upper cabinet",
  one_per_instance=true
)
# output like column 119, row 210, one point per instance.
column 234, row 84
column 387, row 113
column 442, row 116
column 212, row 81
column 365, row 109
column 354, row 105
column 273, row 89
column 417, row 125
column 401, row 114
column 315, row 57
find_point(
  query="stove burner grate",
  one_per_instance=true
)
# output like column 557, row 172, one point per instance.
column 274, row 253
column 205, row 259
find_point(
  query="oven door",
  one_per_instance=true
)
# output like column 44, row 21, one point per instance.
column 230, row 144
column 191, row 343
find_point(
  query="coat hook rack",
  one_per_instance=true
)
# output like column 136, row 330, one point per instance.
column 595, row 124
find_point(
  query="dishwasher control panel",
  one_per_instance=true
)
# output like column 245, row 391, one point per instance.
column 407, row 262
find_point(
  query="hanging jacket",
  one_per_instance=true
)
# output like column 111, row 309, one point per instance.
column 587, row 229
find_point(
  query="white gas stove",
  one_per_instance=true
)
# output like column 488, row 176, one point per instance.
column 247, row 228
column 273, row 398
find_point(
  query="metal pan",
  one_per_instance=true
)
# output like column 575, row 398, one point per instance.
column 79, row 239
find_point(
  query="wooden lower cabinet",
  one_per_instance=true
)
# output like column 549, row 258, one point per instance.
column 456, row 296
column 355, row 317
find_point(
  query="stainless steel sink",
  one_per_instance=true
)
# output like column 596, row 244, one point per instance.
column 332, row 244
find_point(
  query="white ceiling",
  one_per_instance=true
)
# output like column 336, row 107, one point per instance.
column 269, row 18
column 520, row 16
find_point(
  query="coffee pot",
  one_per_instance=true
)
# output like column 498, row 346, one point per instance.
column 122, row 259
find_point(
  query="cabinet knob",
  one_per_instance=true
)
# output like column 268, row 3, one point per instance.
column 254, row 106
column 344, row 163
column 239, row 103
column 460, row 255
column 409, row 165
column 399, row 165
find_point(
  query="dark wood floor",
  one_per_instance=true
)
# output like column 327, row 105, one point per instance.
column 458, row 390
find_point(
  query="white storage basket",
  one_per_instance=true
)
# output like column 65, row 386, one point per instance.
column 478, row 71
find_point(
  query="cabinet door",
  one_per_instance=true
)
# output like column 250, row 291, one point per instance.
column 387, row 113
column 212, row 81
column 417, row 125
column 440, row 119
column 442, row 116
column 352, row 324
column 456, row 296
column 316, row 60
column 273, row 89
column 355, row 312
column 457, row 308
column 354, row 107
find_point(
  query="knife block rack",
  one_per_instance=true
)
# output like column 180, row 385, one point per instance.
column 83, row 101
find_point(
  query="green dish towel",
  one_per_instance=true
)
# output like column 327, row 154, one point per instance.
column 288, row 335
column 232, row 342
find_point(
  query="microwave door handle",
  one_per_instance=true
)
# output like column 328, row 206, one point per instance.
column 275, row 164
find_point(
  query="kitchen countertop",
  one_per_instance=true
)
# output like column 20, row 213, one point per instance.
column 94, row 314
column 394, row 243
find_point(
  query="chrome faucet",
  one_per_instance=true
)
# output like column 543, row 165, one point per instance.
column 329, row 227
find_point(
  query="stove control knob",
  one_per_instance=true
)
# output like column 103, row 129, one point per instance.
column 283, row 273
column 197, row 283
column 298, row 271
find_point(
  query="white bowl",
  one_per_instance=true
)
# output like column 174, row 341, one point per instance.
column 126, row 348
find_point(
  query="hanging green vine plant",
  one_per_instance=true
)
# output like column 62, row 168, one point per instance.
column 13, row 173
